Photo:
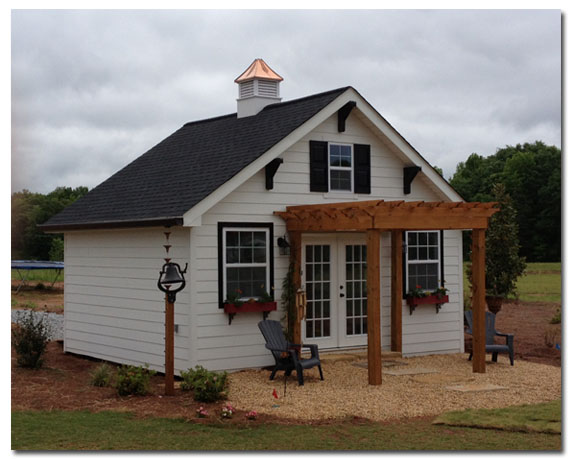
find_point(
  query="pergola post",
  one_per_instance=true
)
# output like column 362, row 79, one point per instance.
column 478, row 281
column 396, row 290
column 373, row 307
column 296, row 259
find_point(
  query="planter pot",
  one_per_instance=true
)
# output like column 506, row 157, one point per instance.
column 265, row 308
column 413, row 302
column 494, row 303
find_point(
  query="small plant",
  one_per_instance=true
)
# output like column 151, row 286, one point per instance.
column 30, row 338
column 101, row 376
column 557, row 317
column 251, row 415
column 202, row 412
column 550, row 336
column 234, row 298
column 208, row 386
column 132, row 380
column 227, row 411
column 265, row 297
column 440, row 292
column 417, row 292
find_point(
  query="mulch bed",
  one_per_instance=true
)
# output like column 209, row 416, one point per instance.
column 64, row 381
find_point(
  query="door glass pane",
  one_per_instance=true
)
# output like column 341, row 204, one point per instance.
column 356, row 292
column 318, row 287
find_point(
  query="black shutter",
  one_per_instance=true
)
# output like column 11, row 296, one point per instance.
column 318, row 166
column 362, row 169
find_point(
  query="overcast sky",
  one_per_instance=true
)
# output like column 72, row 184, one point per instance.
column 93, row 90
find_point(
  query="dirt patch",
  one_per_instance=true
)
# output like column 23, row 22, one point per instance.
column 529, row 323
column 50, row 299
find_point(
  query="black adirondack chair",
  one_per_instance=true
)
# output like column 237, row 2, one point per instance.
column 490, row 345
column 285, row 353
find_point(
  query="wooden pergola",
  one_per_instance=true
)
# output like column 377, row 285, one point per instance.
column 373, row 217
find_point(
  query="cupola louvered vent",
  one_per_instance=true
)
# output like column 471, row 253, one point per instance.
column 267, row 88
column 246, row 89
column 258, row 86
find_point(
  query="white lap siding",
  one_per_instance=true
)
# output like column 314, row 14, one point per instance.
column 428, row 332
column 218, row 345
column 113, row 309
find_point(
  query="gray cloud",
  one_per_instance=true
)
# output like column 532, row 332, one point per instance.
column 92, row 90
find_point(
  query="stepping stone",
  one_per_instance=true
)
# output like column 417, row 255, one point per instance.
column 384, row 364
column 409, row 371
column 475, row 387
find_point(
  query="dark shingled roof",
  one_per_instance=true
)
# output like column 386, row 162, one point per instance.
column 160, row 186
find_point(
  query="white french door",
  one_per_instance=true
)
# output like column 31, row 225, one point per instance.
column 334, row 273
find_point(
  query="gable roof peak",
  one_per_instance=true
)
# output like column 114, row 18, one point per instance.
column 258, row 69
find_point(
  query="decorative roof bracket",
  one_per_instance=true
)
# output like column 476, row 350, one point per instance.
column 271, row 169
column 343, row 114
column 409, row 174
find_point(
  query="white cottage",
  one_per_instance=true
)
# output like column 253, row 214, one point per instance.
column 219, row 185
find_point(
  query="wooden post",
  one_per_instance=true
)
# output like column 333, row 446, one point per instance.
column 169, row 347
column 296, row 258
column 396, row 290
column 373, row 307
column 478, row 281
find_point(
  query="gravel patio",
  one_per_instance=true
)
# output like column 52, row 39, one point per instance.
column 345, row 391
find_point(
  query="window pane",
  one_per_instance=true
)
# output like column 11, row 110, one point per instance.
column 232, row 255
column 245, row 255
column 346, row 156
column 433, row 239
column 412, row 253
column 422, row 238
column 309, row 254
column 433, row 253
column 325, row 253
column 232, row 239
column 340, row 180
column 411, row 238
column 259, row 255
column 246, row 239
column 259, row 239
column 423, row 253
column 309, row 329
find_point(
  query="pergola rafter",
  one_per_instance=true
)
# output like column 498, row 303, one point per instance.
column 373, row 217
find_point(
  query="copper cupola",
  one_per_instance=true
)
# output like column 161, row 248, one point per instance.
column 258, row 86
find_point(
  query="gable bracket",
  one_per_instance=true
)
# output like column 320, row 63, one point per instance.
column 271, row 169
column 409, row 174
column 343, row 114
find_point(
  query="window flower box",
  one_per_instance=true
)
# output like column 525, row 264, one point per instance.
column 437, row 300
column 250, row 306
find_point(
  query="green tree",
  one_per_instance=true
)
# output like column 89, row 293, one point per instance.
column 531, row 173
column 503, row 265
column 32, row 209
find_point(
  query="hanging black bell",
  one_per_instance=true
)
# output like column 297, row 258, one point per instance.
column 172, row 275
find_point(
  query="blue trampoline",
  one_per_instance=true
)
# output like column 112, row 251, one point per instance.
column 27, row 265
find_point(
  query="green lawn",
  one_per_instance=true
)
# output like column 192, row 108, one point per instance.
column 540, row 282
column 39, row 275
column 544, row 417
column 80, row 430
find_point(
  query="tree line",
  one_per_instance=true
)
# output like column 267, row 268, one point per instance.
column 530, row 173
column 32, row 209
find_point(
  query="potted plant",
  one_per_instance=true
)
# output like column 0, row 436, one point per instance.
column 417, row 296
column 503, row 265
column 236, row 303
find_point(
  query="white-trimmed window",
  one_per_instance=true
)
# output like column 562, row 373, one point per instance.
column 341, row 167
column 246, row 261
column 423, row 260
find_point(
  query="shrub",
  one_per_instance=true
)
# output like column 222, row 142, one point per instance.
column 101, row 376
column 30, row 338
column 131, row 380
column 208, row 386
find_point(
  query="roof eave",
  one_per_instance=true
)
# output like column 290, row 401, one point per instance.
column 116, row 224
